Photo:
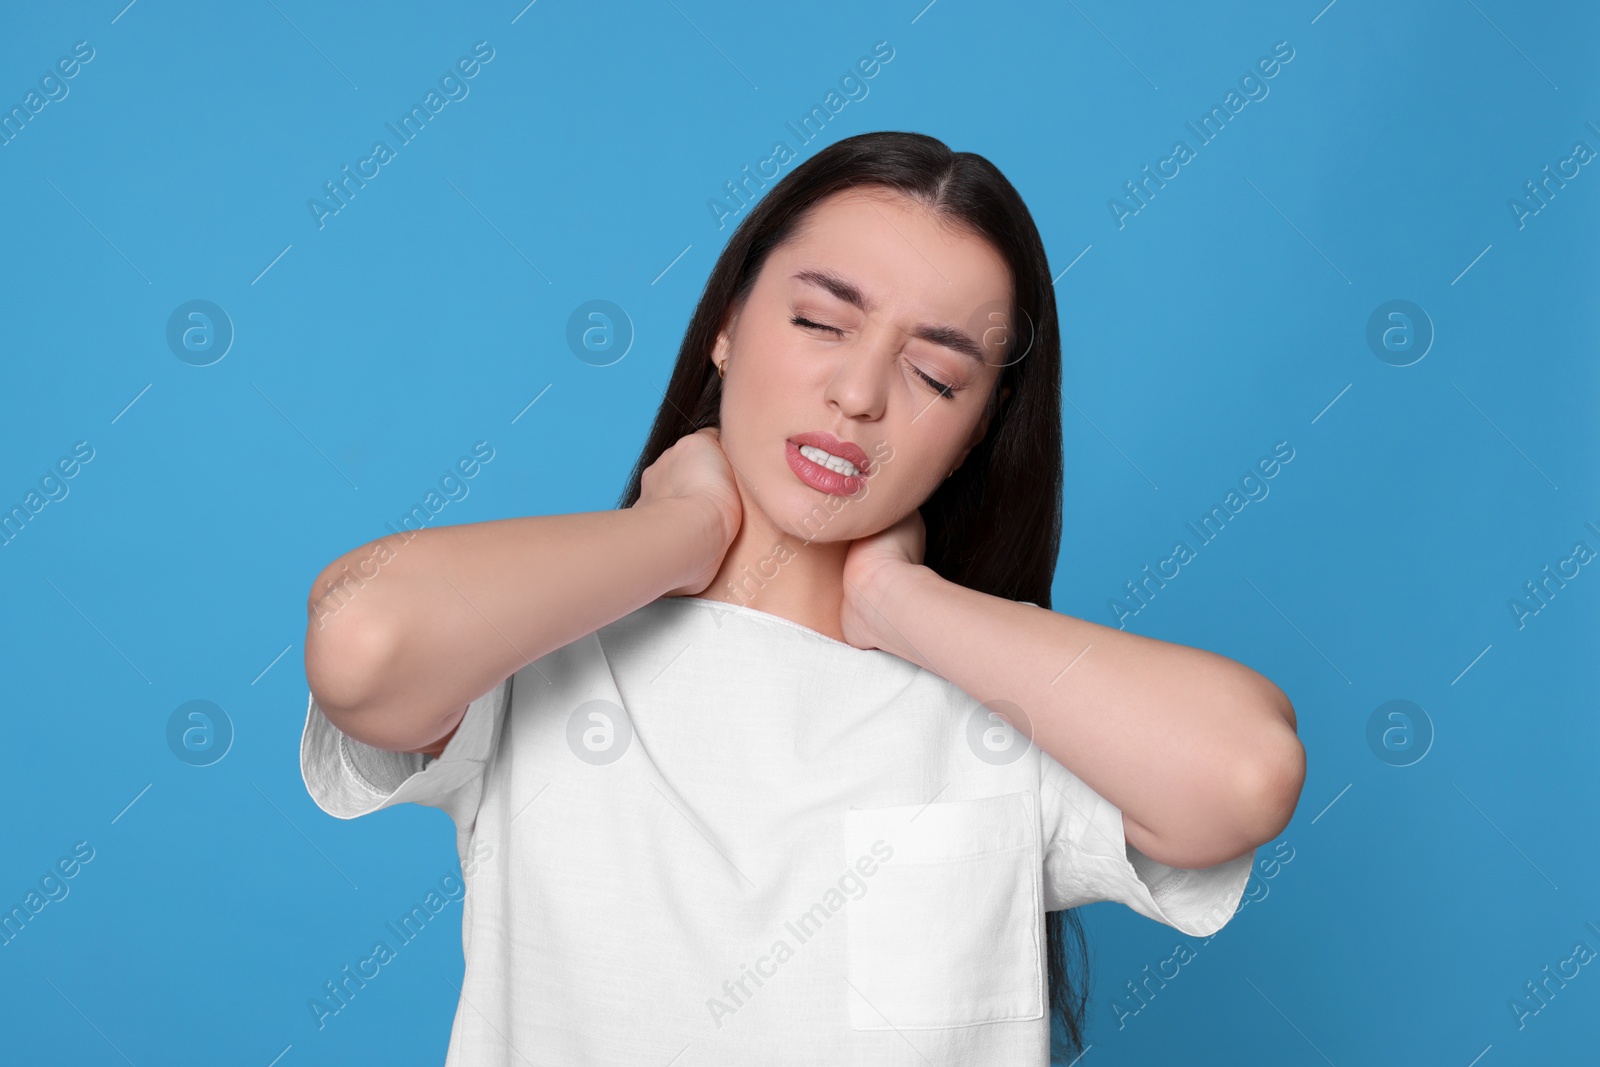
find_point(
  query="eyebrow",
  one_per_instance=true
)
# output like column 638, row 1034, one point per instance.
column 934, row 333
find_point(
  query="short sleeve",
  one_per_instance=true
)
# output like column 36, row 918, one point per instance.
column 1087, row 858
column 348, row 778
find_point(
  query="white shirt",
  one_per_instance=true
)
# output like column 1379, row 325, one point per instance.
column 705, row 834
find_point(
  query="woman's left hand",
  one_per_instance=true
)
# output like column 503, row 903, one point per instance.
column 866, row 563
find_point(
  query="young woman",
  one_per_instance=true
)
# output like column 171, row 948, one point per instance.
column 786, row 759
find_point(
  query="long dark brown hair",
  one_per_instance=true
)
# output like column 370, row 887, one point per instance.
column 993, row 526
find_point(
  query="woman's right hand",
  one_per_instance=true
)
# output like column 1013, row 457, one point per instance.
column 696, row 469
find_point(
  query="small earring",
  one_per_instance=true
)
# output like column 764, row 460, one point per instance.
column 947, row 476
column 722, row 369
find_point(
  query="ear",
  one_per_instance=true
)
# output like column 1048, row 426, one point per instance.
column 720, row 348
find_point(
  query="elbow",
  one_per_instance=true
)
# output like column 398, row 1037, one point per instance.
column 1280, row 703
column 1271, row 788
column 1257, row 807
column 1257, row 804
column 1260, row 806
column 343, row 663
column 1270, row 784
column 345, row 647
column 1274, row 702
column 334, row 589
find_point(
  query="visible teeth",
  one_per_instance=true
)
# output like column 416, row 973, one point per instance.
column 829, row 460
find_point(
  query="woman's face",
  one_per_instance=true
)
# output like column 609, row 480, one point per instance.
column 895, row 297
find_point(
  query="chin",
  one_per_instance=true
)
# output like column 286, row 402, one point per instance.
column 820, row 519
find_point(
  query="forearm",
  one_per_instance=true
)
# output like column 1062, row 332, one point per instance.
column 402, row 634
column 1198, row 751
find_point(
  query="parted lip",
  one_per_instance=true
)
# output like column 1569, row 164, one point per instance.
column 829, row 443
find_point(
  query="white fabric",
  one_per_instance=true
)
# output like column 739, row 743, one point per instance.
column 705, row 834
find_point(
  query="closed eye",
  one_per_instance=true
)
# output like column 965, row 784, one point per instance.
column 798, row 321
column 946, row 391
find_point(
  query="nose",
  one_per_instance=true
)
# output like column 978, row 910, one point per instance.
column 859, row 387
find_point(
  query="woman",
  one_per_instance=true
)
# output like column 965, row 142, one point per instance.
column 723, row 785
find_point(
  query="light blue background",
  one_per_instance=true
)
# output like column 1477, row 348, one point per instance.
column 1229, row 314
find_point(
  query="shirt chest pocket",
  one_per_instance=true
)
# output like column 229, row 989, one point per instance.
column 949, row 931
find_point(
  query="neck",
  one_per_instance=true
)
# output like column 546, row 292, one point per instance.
column 772, row 570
